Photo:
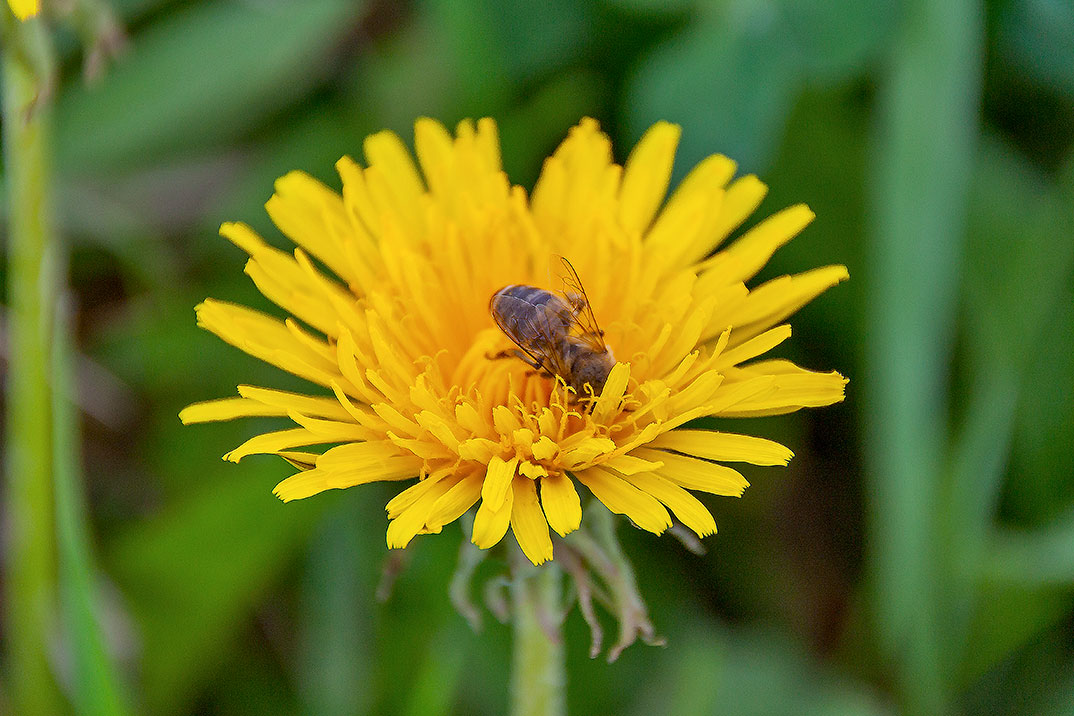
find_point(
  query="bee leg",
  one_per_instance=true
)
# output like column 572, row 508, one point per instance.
column 515, row 353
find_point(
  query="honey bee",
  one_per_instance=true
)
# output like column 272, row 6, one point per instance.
column 556, row 333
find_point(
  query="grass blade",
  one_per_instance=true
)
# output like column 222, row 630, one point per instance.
column 925, row 144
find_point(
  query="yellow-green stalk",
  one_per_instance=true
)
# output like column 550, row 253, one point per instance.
column 33, row 276
column 538, row 679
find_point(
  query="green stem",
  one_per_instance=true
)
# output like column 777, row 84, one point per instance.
column 538, row 680
column 33, row 275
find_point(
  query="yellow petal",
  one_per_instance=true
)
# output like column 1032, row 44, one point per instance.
column 310, row 482
column 416, row 492
column 646, row 176
column 505, row 420
column 612, row 394
column 686, row 507
column 755, row 346
column 561, row 504
column 312, row 406
column 433, row 145
column 743, row 259
column 730, row 447
column 490, row 525
column 452, row 504
column 302, row 485
column 630, row 464
column 488, row 142
column 531, row 470
column 687, row 228
column 739, row 201
column 292, row 284
column 545, row 448
column 414, row 518
column 331, row 431
column 497, row 482
column 528, row 522
column 774, row 300
column 686, row 336
column 313, row 216
column 387, row 152
column 370, row 452
column 273, row 442
column 478, row 449
column 25, row 9
column 696, row 474
column 791, row 389
column 622, row 498
column 586, row 451
column 268, row 339
column 210, row 411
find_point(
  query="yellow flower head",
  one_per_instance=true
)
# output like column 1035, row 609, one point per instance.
column 24, row 9
column 401, row 335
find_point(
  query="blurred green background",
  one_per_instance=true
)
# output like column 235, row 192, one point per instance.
column 916, row 557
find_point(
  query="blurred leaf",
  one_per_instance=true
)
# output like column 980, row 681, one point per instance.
column 1038, row 38
column 132, row 9
column 729, row 84
column 335, row 625
column 406, row 74
column 1015, row 333
column 96, row 688
column 822, row 162
column 1042, row 462
column 476, row 57
column 1005, row 322
column 465, row 59
column 924, row 160
column 748, row 671
column 532, row 129
column 731, row 77
column 198, row 76
column 192, row 574
column 658, row 6
column 311, row 142
column 1032, row 679
column 542, row 37
column 1040, row 557
column 1057, row 697
column 837, row 39
column 435, row 680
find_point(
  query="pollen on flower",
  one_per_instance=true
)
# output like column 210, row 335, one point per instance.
column 388, row 296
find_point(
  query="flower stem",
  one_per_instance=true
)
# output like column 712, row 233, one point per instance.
column 538, row 681
column 33, row 275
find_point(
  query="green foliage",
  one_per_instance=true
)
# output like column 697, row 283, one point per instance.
column 917, row 554
column 196, row 78
column 732, row 76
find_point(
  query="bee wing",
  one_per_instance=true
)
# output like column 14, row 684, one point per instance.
column 582, row 312
column 548, row 338
column 537, row 338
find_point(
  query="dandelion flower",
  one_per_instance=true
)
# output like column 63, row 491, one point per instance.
column 388, row 295
column 24, row 9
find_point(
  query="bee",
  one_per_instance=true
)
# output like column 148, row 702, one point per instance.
column 556, row 333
